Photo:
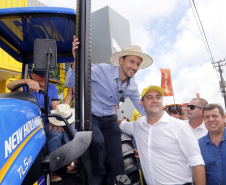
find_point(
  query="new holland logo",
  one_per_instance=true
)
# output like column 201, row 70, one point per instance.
column 18, row 136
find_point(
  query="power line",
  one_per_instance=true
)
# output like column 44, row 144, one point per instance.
column 203, row 37
column 202, row 31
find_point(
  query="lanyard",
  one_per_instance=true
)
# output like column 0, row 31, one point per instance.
column 122, row 98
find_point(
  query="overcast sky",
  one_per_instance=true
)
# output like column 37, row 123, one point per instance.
column 169, row 33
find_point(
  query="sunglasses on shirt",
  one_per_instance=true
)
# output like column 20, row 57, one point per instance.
column 122, row 98
column 192, row 107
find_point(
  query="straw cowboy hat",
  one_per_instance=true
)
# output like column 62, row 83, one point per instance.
column 132, row 50
column 66, row 112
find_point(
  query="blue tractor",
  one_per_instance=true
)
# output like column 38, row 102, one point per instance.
column 23, row 157
column 42, row 36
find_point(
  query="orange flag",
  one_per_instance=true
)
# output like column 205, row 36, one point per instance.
column 166, row 82
column 197, row 95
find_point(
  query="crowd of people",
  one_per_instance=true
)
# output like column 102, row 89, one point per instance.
column 171, row 150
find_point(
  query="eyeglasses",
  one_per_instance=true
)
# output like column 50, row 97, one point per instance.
column 122, row 98
column 192, row 107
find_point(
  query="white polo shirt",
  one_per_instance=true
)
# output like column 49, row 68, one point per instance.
column 166, row 149
column 200, row 131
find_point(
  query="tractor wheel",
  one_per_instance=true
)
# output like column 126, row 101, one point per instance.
column 130, row 162
column 85, row 168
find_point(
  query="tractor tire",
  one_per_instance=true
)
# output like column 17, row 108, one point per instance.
column 85, row 168
column 130, row 162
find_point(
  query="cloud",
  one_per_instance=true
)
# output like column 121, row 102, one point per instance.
column 200, row 79
column 188, row 59
column 168, row 31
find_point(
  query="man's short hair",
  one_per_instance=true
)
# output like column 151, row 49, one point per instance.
column 213, row 106
column 202, row 102
column 173, row 111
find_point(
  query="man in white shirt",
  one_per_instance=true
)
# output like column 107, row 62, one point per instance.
column 195, row 119
column 166, row 145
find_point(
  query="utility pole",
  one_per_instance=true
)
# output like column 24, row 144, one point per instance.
column 222, row 82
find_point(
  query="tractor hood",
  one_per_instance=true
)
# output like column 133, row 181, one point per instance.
column 19, row 27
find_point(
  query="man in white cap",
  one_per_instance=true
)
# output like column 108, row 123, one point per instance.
column 167, row 146
column 111, row 84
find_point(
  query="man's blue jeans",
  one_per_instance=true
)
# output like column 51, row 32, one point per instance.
column 106, row 138
column 54, row 139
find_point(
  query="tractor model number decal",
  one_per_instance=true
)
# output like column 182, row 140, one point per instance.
column 24, row 167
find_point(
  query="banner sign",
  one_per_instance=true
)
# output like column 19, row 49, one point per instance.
column 166, row 82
